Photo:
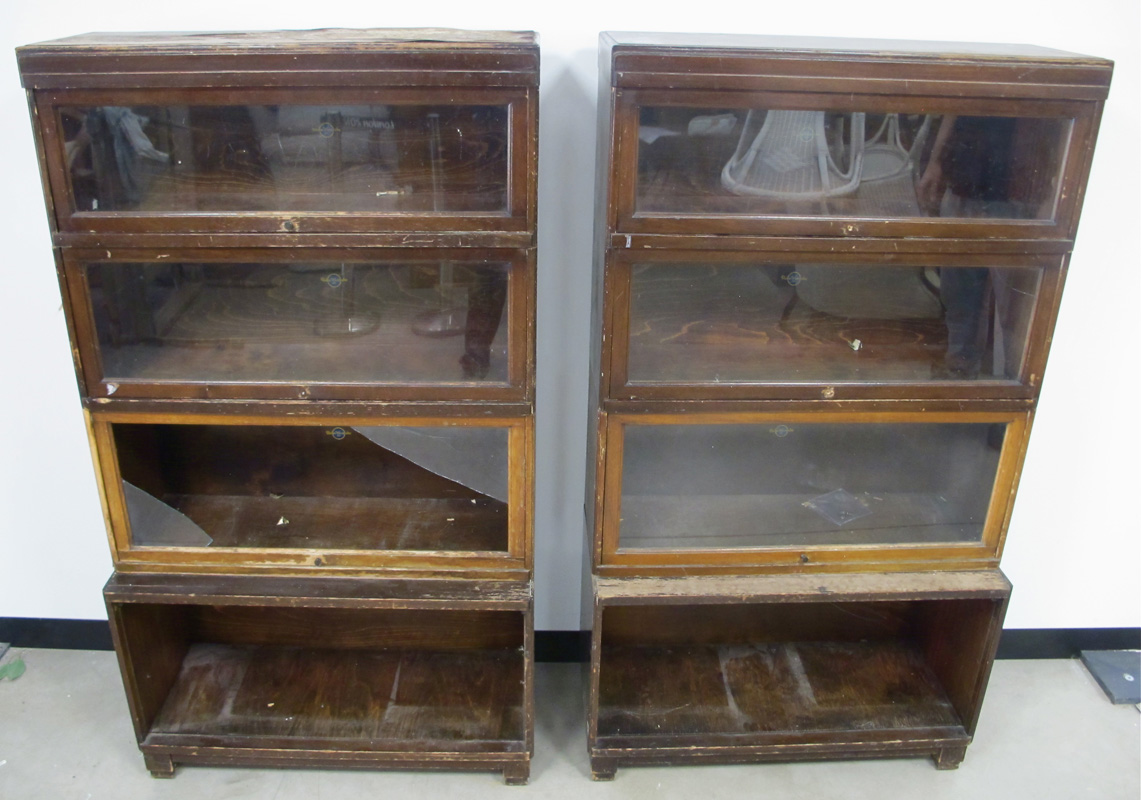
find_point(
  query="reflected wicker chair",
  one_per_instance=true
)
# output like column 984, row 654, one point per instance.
column 785, row 155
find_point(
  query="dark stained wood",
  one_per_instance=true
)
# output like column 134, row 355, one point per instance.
column 149, row 635
column 265, row 324
column 367, row 700
column 959, row 643
column 766, row 72
column 317, row 592
column 717, row 637
column 697, row 694
column 789, row 667
column 682, row 317
column 399, row 678
column 337, row 57
column 353, row 608
column 238, row 484
column 202, row 72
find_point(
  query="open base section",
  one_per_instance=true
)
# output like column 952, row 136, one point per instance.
column 779, row 668
column 436, row 679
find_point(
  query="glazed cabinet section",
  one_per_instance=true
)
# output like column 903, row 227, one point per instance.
column 826, row 283
column 296, row 323
column 808, row 491
column 783, row 324
column 785, row 140
column 445, row 494
column 298, row 272
column 263, row 160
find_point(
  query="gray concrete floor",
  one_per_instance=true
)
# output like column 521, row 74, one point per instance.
column 1047, row 731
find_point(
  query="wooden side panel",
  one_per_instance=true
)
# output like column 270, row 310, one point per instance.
column 151, row 642
column 959, row 641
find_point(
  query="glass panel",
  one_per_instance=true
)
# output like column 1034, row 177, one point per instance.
column 316, row 159
column 848, row 164
column 409, row 323
column 806, row 484
column 411, row 488
column 692, row 323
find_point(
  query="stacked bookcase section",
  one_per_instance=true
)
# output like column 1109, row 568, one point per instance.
column 826, row 279
column 299, row 276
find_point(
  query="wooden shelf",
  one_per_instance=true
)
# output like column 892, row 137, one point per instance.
column 782, row 667
column 357, row 700
column 320, row 671
column 347, row 523
column 306, row 323
column 753, row 693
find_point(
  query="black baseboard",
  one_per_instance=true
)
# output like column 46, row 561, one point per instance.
column 1065, row 642
column 57, row 634
column 574, row 646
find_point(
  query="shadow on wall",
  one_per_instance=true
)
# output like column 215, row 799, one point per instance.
column 566, row 213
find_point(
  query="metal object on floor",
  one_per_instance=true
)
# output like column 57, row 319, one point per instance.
column 1117, row 672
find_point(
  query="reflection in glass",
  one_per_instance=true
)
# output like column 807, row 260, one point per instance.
column 314, row 487
column 307, row 322
column 846, row 163
column 735, row 323
column 359, row 158
column 805, row 484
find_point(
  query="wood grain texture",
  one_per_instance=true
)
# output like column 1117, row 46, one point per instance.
column 690, row 693
column 740, row 669
column 318, row 592
column 396, row 673
column 713, row 643
column 209, row 195
column 362, row 700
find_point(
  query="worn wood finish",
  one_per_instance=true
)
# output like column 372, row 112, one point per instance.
column 750, row 601
column 367, row 673
column 267, row 243
column 789, row 551
column 781, row 72
column 687, row 330
column 734, row 669
column 263, row 319
column 272, row 591
column 354, row 507
column 321, row 67
column 337, row 57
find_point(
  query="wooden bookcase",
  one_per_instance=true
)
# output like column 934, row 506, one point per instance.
column 298, row 271
column 826, row 279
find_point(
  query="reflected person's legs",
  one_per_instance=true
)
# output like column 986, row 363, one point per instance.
column 963, row 291
column 486, row 298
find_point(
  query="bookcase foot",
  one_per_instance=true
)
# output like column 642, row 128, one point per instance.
column 517, row 773
column 950, row 757
column 603, row 769
column 160, row 766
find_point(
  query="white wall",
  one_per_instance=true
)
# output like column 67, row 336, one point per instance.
column 1074, row 553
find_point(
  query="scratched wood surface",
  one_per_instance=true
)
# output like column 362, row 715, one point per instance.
column 364, row 699
column 689, row 691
